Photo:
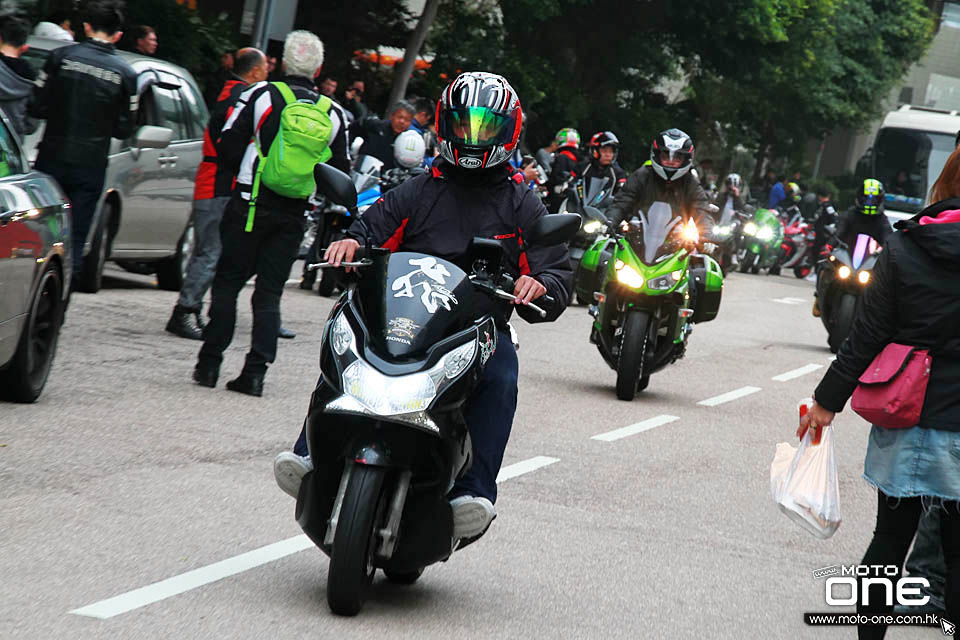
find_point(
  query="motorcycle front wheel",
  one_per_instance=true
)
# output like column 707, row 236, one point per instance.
column 355, row 541
column 633, row 345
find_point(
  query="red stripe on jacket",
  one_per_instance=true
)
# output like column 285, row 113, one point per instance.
column 394, row 242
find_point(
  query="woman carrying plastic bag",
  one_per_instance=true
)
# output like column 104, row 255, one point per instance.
column 903, row 348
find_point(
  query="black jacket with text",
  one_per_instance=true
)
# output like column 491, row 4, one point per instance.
column 87, row 94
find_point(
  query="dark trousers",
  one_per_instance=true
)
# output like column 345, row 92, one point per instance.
column 897, row 520
column 268, row 252
column 489, row 416
column 83, row 185
column 926, row 558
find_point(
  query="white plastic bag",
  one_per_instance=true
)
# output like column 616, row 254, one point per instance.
column 804, row 483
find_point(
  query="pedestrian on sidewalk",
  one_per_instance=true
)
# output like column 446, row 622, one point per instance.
column 16, row 75
column 913, row 299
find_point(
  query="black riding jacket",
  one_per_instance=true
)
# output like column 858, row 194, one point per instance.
column 441, row 211
column 644, row 187
column 914, row 299
column 87, row 94
column 852, row 223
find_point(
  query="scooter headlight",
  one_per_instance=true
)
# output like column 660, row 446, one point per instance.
column 750, row 229
column 863, row 277
column 628, row 275
column 843, row 272
column 388, row 395
column 593, row 226
column 765, row 234
column 342, row 335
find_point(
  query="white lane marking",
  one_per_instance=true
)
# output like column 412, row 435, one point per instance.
column 525, row 466
column 727, row 397
column 176, row 585
column 796, row 373
column 789, row 300
column 633, row 429
column 192, row 579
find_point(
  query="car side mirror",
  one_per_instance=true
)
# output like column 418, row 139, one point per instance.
column 336, row 185
column 151, row 137
column 552, row 229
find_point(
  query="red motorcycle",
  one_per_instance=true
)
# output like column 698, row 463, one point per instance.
column 796, row 252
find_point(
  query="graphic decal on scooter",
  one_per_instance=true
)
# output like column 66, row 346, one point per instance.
column 402, row 330
column 434, row 295
column 487, row 346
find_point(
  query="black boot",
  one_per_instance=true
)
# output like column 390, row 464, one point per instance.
column 206, row 375
column 183, row 322
column 248, row 383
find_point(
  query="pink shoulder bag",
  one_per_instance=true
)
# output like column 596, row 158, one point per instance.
column 892, row 389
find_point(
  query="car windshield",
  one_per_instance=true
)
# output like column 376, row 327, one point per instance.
column 908, row 162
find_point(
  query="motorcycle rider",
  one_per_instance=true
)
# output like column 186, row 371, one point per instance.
column 824, row 217
column 866, row 216
column 602, row 151
column 565, row 161
column 729, row 197
column 666, row 178
column 468, row 192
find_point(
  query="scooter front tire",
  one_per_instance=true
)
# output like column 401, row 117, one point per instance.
column 355, row 542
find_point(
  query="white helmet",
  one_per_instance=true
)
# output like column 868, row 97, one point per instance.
column 408, row 149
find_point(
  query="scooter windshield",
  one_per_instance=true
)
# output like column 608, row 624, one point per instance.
column 422, row 300
column 866, row 246
column 657, row 223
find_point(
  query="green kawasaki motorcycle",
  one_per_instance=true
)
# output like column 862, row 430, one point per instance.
column 654, row 287
column 760, row 247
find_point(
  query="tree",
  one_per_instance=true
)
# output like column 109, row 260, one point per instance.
column 403, row 70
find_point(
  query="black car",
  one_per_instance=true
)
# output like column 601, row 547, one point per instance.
column 34, row 271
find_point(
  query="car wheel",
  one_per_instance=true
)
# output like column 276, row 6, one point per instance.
column 24, row 379
column 90, row 277
column 173, row 271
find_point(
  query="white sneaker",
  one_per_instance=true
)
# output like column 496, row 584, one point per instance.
column 471, row 516
column 289, row 469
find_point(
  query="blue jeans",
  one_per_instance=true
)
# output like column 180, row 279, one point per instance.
column 489, row 416
column 206, row 218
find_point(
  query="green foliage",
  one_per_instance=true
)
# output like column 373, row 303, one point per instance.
column 184, row 37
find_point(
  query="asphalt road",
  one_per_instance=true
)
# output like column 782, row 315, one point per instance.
column 126, row 474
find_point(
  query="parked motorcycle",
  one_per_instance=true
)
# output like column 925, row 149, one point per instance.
column 401, row 352
column 845, row 275
column 656, row 286
column 760, row 245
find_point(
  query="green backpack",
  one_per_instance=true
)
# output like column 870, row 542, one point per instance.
column 302, row 142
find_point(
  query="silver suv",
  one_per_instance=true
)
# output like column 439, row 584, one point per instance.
column 142, row 222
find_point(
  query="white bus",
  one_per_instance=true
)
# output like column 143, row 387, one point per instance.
column 908, row 154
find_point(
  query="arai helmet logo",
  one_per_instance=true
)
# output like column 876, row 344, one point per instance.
column 470, row 163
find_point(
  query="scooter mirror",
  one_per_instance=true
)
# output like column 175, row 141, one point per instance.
column 552, row 229
column 336, row 185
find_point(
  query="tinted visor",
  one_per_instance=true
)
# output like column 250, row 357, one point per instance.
column 673, row 159
column 477, row 126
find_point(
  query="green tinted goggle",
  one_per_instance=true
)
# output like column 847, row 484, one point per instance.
column 477, row 126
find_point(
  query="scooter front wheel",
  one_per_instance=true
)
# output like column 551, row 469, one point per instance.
column 355, row 542
column 633, row 344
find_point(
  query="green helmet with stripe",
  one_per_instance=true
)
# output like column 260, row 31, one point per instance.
column 870, row 198
column 567, row 137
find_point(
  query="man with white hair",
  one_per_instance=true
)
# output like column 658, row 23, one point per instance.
column 268, row 248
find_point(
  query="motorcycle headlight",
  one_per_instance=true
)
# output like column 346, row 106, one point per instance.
column 722, row 231
column 750, row 229
column 388, row 395
column 690, row 232
column 843, row 272
column 592, row 226
column 628, row 275
column 863, row 277
column 765, row 234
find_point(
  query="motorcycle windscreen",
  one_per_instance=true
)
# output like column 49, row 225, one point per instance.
column 366, row 173
column 596, row 190
column 424, row 299
column 658, row 222
column 865, row 246
column 727, row 216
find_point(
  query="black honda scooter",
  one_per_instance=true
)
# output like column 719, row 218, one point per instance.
column 402, row 350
